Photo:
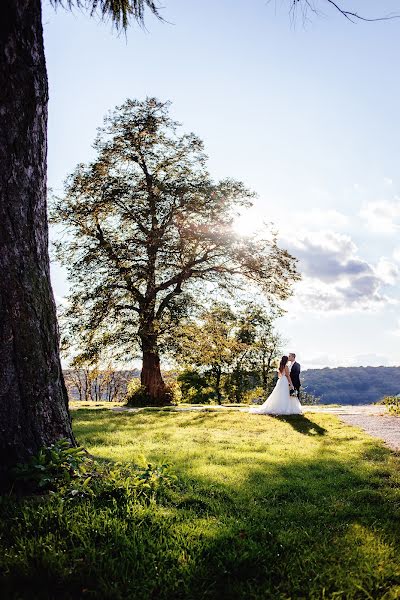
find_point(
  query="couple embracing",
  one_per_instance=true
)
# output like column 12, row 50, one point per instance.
column 284, row 399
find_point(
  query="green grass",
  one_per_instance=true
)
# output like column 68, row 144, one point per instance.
column 285, row 508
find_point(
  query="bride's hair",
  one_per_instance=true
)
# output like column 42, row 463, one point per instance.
column 282, row 364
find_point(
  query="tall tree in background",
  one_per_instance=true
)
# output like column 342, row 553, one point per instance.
column 33, row 399
column 145, row 225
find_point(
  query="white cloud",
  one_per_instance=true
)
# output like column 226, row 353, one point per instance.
column 396, row 255
column 387, row 271
column 327, row 255
column 335, row 278
column 289, row 221
column 382, row 216
column 396, row 330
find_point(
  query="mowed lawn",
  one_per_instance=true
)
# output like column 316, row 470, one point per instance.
column 262, row 507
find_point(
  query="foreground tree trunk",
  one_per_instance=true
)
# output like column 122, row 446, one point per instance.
column 33, row 397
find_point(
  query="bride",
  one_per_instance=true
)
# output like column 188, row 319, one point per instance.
column 280, row 402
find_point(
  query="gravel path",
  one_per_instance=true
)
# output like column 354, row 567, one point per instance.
column 385, row 427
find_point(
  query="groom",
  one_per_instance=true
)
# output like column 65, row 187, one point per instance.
column 295, row 373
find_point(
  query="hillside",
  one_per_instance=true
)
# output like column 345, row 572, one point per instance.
column 352, row 385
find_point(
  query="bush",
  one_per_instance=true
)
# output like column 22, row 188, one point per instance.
column 51, row 466
column 69, row 473
column 393, row 404
column 195, row 388
column 308, row 398
column 255, row 396
column 138, row 396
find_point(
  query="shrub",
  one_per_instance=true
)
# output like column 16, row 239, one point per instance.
column 393, row 404
column 138, row 396
column 69, row 473
column 255, row 396
column 195, row 388
column 52, row 465
column 308, row 398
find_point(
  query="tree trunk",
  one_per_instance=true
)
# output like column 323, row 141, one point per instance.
column 33, row 397
column 218, row 373
column 150, row 377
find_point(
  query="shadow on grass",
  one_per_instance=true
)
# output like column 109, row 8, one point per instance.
column 303, row 425
column 239, row 524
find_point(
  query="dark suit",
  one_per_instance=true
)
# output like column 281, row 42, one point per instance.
column 295, row 376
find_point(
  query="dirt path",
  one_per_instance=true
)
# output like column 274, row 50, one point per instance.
column 385, row 427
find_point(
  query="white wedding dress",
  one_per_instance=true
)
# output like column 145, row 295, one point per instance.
column 279, row 402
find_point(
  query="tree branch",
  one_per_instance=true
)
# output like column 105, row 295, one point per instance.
column 123, row 271
column 349, row 15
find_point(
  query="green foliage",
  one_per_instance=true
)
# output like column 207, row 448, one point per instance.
column 195, row 387
column 393, row 404
column 138, row 396
column 121, row 482
column 51, row 466
column 255, row 396
column 68, row 472
column 120, row 12
column 228, row 351
column 262, row 507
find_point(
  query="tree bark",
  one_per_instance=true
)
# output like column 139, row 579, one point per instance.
column 33, row 397
column 218, row 373
column 150, row 377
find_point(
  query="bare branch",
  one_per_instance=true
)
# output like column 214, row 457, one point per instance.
column 306, row 5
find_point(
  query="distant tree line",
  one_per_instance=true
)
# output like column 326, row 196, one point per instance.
column 352, row 385
column 98, row 384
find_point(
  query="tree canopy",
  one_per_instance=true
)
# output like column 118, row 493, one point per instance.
column 121, row 12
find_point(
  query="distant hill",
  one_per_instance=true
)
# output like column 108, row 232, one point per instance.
column 352, row 385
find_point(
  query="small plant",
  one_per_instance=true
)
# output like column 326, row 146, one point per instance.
column 393, row 404
column 121, row 482
column 58, row 463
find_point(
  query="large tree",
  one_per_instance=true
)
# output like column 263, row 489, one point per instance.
column 146, row 224
column 33, row 399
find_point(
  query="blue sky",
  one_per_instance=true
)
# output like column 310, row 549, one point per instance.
column 307, row 115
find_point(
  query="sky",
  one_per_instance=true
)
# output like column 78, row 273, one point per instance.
column 305, row 113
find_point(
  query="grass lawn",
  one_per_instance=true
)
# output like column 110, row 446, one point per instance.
column 263, row 507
